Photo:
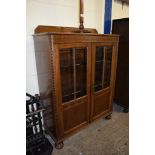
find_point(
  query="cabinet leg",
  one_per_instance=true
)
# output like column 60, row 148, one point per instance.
column 108, row 117
column 59, row 145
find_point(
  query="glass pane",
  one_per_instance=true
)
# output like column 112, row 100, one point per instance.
column 102, row 67
column 99, row 68
column 66, row 71
column 107, row 66
column 80, row 67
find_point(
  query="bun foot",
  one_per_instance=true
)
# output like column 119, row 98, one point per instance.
column 108, row 117
column 59, row 145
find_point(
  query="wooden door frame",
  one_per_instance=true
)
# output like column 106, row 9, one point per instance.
column 112, row 78
column 60, row 106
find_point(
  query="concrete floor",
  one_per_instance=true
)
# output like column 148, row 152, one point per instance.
column 103, row 137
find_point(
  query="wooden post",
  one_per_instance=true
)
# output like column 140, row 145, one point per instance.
column 81, row 27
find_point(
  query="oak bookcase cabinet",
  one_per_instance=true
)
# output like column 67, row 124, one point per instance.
column 76, row 76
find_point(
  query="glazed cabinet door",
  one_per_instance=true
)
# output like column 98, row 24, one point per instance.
column 103, row 66
column 74, row 75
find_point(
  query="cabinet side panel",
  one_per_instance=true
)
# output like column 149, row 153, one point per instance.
column 42, row 54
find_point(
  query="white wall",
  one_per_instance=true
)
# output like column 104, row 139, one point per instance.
column 56, row 13
column 61, row 13
column 119, row 11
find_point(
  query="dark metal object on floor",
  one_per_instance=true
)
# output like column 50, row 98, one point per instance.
column 36, row 143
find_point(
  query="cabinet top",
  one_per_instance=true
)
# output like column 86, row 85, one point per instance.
column 76, row 34
column 59, row 30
